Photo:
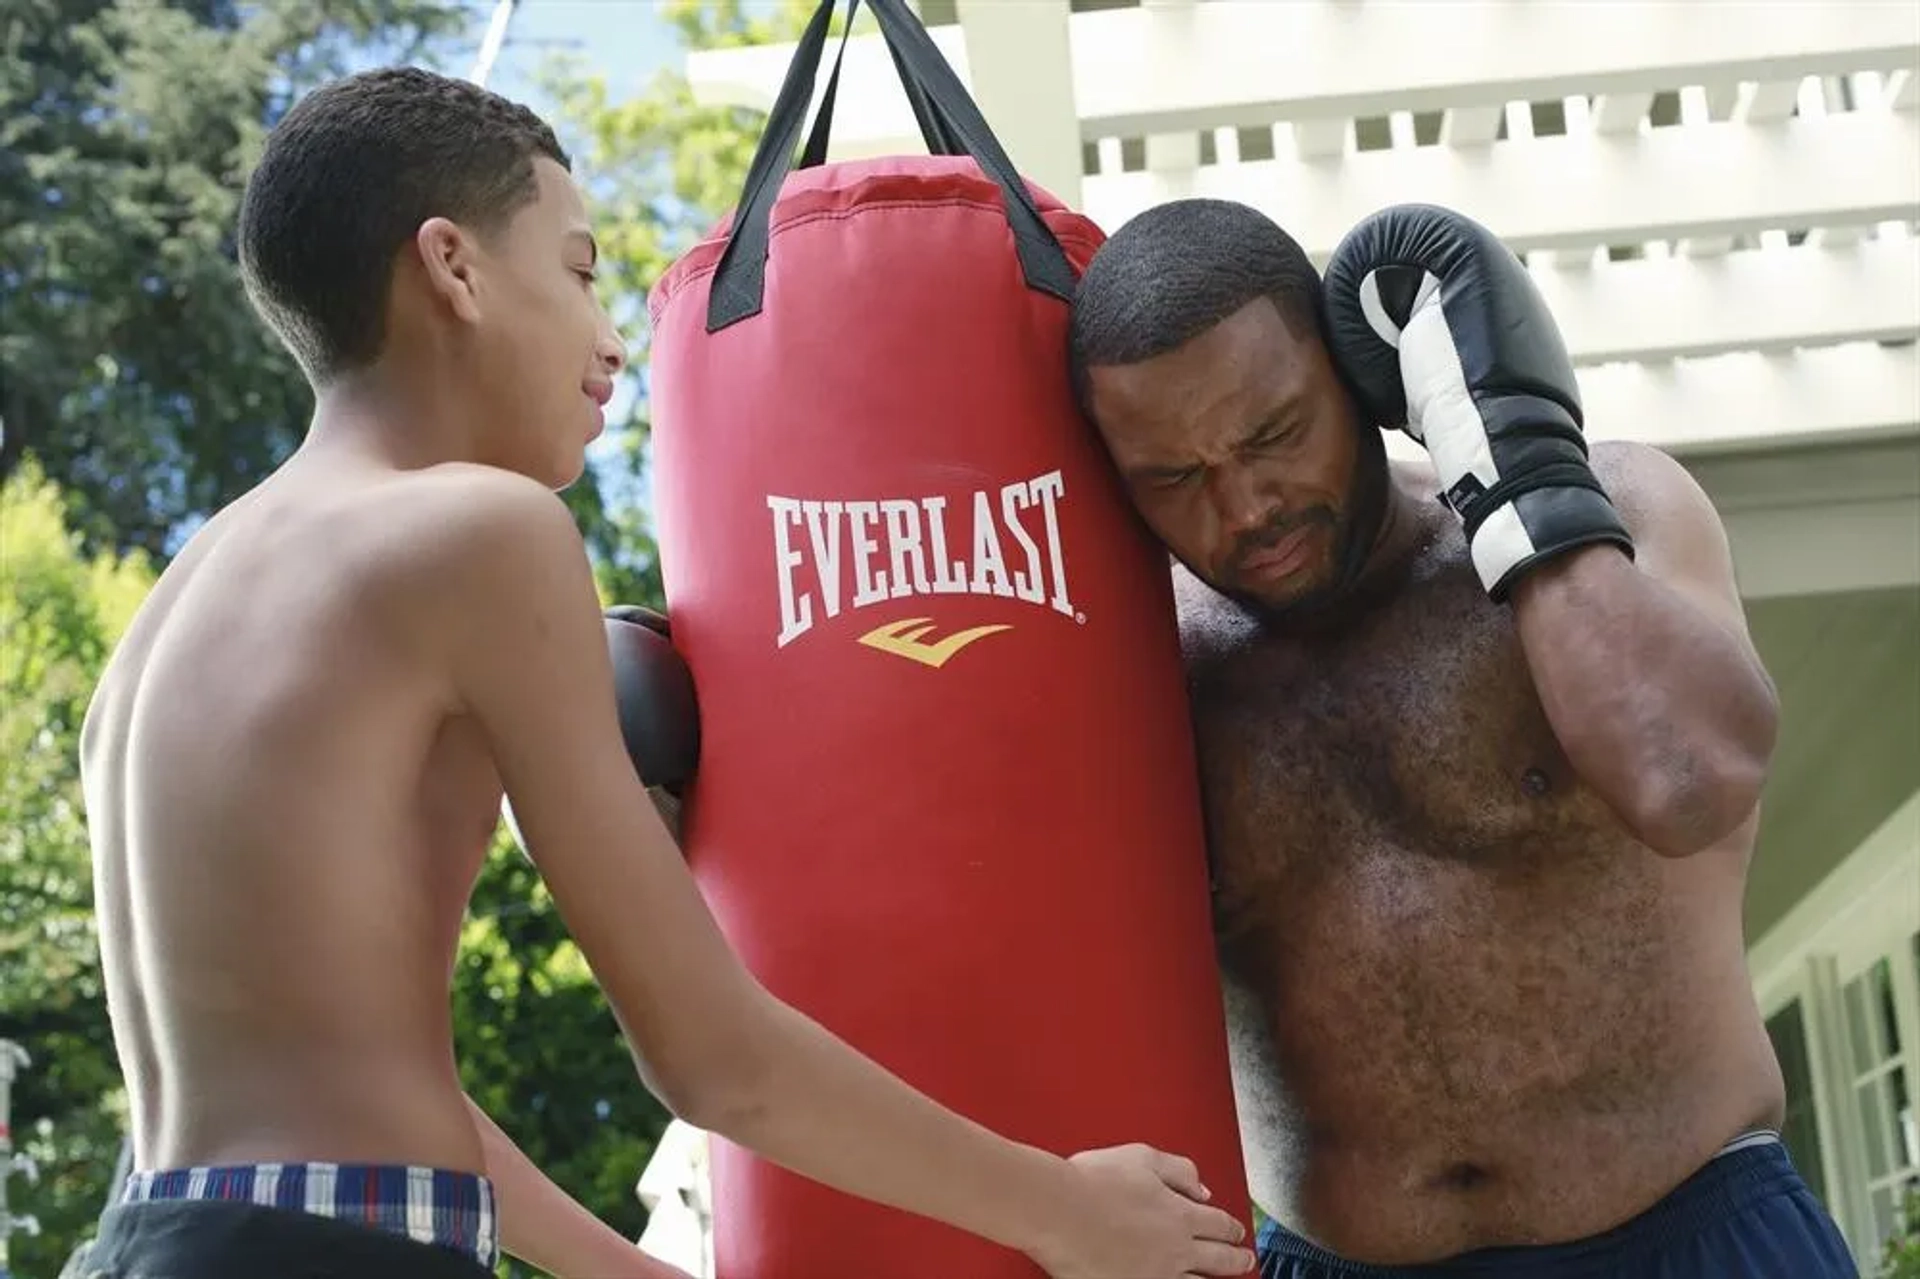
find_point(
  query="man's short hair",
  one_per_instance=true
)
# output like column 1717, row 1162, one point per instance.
column 1173, row 272
column 347, row 178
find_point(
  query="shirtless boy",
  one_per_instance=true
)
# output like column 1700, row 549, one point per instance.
column 1481, row 770
column 296, row 758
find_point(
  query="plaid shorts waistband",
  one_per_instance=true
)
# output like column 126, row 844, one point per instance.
column 427, row 1205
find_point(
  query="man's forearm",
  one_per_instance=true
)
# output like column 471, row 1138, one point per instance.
column 1662, row 709
column 545, row 1226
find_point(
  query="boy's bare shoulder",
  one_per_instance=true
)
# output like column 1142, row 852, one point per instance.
column 477, row 497
column 460, row 516
column 480, row 555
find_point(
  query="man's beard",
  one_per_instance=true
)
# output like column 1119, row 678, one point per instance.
column 1354, row 528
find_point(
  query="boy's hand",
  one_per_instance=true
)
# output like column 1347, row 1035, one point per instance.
column 1141, row 1215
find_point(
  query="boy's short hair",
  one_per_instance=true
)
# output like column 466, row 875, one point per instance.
column 347, row 178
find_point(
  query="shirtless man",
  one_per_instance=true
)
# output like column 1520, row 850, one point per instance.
column 1481, row 771
column 296, row 758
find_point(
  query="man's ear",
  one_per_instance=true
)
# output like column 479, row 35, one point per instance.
column 450, row 257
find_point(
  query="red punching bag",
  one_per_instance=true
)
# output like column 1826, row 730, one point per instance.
column 947, row 801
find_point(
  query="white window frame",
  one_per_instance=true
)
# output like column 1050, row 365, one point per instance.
column 1865, row 910
column 1906, row 1007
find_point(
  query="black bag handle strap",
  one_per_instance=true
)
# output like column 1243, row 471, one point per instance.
column 816, row 150
column 736, row 290
column 954, row 115
column 932, row 132
column 739, row 281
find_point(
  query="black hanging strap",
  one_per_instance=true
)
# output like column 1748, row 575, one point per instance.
column 932, row 131
column 950, row 123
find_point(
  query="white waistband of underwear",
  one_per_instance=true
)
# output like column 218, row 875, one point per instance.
column 1748, row 1140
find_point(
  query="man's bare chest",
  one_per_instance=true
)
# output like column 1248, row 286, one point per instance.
column 1409, row 746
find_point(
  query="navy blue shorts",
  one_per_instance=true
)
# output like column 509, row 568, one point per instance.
column 1746, row 1215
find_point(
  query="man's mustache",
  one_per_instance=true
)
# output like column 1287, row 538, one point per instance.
column 1277, row 530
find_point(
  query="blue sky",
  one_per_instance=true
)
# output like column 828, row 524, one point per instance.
column 624, row 40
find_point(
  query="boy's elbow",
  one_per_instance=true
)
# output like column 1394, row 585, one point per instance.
column 717, row 1081
column 722, row 1103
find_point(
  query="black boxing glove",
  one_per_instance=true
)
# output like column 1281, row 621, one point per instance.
column 1440, row 331
column 653, row 689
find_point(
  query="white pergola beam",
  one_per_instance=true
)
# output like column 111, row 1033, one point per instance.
column 1226, row 146
column 1621, row 112
column 1470, row 126
column 1173, row 152
column 1140, row 70
column 1572, row 192
column 1320, row 139
column 1747, row 401
column 1021, row 77
column 1768, row 102
column 1721, row 97
column 1704, row 104
column 1759, row 300
column 1173, row 68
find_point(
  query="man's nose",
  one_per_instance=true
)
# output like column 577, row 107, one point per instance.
column 1238, row 503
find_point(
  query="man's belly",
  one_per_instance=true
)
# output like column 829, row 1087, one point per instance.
column 1428, row 1068
column 1420, row 1195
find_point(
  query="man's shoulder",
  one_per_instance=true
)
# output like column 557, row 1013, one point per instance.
column 1648, row 485
column 1631, row 462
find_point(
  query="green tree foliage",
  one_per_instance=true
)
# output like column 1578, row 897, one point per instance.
column 130, row 364
column 139, row 393
column 1901, row 1257
column 60, row 613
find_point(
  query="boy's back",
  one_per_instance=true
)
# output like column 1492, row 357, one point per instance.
column 284, row 861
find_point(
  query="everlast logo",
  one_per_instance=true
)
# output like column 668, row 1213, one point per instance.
column 834, row 556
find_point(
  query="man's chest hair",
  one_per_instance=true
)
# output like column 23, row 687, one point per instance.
column 1416, row 719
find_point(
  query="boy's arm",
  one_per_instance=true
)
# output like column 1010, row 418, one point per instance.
column 515, row 608
column 546, row 1227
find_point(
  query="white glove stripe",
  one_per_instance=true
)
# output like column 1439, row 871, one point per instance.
column 1376, row 313
column 1382, row 322
column 1498, row 544
column 1440, row 408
